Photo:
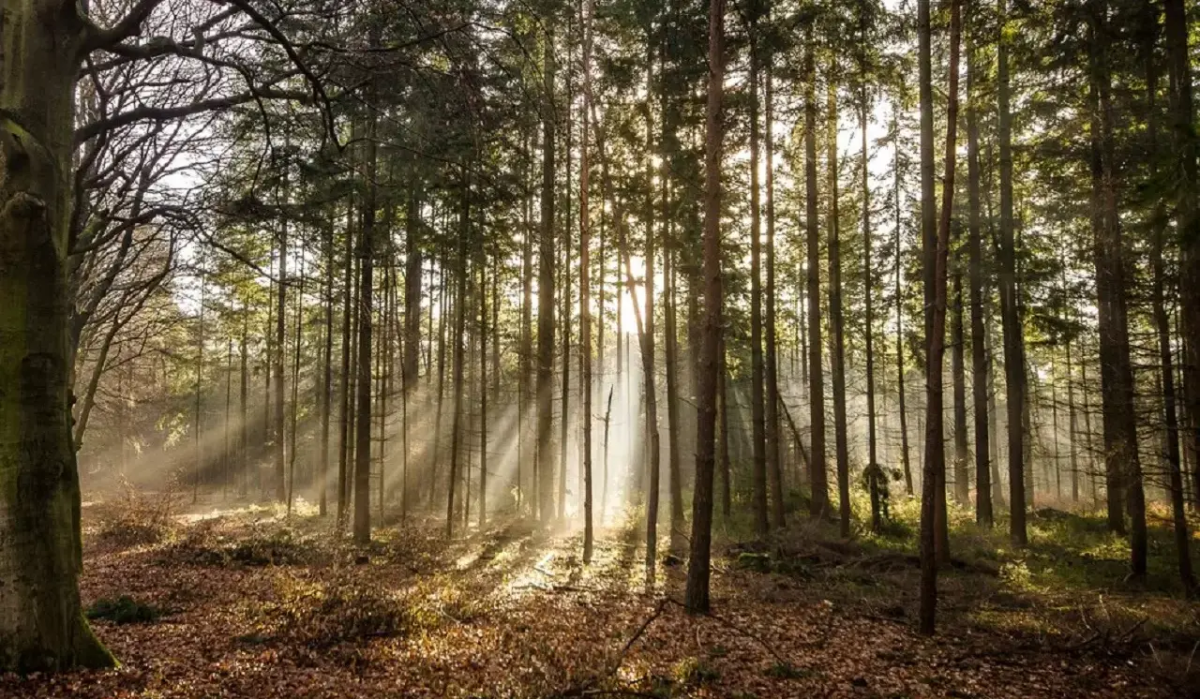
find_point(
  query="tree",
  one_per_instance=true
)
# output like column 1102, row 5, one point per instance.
column 933, row 476
column 979, row 361
column 545, row 314
column 1187, row 215
column 757, row 408
column 585, row 309
column 696, row 596
column 1123, row 465
column 837, row 319
column 1014, row 342
column 819, row 503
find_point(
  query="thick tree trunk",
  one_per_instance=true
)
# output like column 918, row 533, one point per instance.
column 696, row 598
column 41, row 624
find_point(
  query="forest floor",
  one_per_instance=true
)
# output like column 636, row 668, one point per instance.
column 250, row 603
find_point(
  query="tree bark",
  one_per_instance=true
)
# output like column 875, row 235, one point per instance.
column 836, row 320
column 774, row 468
column 42, row 627
column 696, row 597
column 902, row 407
column 933, row 479
column 979, row 361
column 1014, row 342
column 757, row 409
column 545, row 319
column 819, row 485
column 280, row 349
column 877, row 479
column 585, row 309
column 1186, row 145
column 1162, row 324
column 1116, row 370
column 367, row 247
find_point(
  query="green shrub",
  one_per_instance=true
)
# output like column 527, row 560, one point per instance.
column 123, row 610
column 694, row 672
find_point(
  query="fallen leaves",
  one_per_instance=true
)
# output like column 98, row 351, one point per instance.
column 509, row 612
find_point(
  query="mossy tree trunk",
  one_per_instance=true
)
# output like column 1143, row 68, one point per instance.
column 41, row 623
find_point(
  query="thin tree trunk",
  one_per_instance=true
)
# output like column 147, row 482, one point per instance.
column 899, row 291
column 291, row 484
column 757, row 414
column 1116, row 371
column 483, row 394
column 585, row 309
column 962, row 485
column 280, row 344
column 933, row 478
column 348, row 307
column 819, row 483
column 243, row 407
column 460, row 350
column 443, row 312
column 1186, row 146
column 564, row 423
column 771, row 399
column 979, row 359
column 877, row 478
column 366, row 252
column 198, row 468
column 546, row 264
column 1014, row 342
column 1163, row 325
column 836, row 321
column 696, row 597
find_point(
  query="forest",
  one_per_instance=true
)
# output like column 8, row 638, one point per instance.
column 585, row 348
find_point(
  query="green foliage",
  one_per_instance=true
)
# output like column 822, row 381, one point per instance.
column 695, row 672
column 787, row 671
column 123, row 610
column 281, row 547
